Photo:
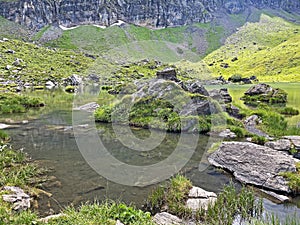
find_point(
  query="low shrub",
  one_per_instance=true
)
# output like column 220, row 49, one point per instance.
column 172, row 195
column 260, row 140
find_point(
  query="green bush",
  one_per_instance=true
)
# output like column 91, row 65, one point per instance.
column 103, row 114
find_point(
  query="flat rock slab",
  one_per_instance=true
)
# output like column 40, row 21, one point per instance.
column 254, row 164
column 165, row 218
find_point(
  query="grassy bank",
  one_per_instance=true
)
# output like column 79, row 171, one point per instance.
column 16, row 103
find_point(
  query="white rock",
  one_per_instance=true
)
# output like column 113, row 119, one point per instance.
column 119, row 222
column 197, row 192
column 4, row 126
column 165, row 218
column 199, row 203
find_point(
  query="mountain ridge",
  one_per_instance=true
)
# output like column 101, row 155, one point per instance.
column 36, row 14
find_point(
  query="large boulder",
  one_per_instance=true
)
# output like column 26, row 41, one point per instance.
column 254, row 164
column 264, row 93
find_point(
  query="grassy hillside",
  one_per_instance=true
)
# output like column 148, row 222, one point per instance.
column 34, row 64
column 268, row 49
column 179, row 41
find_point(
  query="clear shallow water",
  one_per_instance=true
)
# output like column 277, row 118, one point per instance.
column 49, row 140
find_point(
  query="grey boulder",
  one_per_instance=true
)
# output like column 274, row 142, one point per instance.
column 254, row 164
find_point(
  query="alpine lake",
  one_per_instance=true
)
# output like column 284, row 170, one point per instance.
column 47, row 135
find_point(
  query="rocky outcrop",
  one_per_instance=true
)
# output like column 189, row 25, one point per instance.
column 154, row 13
column 264, row 93
column 254, row 164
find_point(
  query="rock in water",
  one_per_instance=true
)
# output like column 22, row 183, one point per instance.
column 254, row 164
column 264, row 93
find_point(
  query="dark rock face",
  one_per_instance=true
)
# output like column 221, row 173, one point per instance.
column 167, row 74
column 254, row 164
column 221, row 95
column 154, row 13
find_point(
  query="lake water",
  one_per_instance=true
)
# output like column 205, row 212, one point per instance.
column 49, row 139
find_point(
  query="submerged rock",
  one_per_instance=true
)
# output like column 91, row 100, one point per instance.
column 277, row 197
column 89, row 107
column 254, row 164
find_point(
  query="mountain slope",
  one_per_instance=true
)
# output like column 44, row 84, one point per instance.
column 269, row 49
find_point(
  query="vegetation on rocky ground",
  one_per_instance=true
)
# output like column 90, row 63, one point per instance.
column 172, row 196
column 293, row 178
column 33, row 64
column 16, row 169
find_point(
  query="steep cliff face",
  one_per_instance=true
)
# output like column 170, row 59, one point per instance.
column 154, row 13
